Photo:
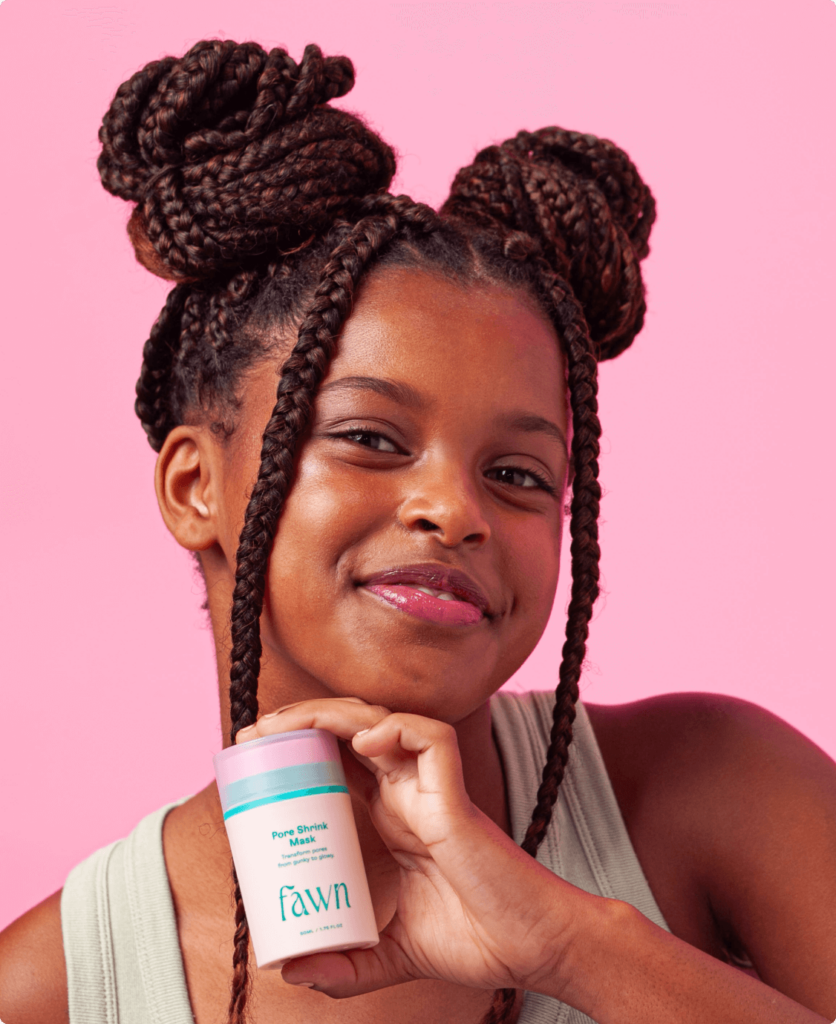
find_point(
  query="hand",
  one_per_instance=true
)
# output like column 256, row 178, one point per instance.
column 472, row 907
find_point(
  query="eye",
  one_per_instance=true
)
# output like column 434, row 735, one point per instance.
column 369, row 439
column 513, row 476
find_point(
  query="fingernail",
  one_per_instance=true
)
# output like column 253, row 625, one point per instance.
column 304, row 984
column 362, row 732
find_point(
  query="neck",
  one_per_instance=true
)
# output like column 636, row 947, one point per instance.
column 484, row 777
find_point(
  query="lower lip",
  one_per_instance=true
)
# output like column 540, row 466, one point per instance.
column 425, row 606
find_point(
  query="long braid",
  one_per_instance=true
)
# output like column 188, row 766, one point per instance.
column 556, row 188
column 585, row 551
column 302, row 374
column 585, row 555
column 241, row 982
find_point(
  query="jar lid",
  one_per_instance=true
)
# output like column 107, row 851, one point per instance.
column 305, row 762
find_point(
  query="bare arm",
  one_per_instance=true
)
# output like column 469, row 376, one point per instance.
column 642, row 973
column 747, row 807
column 33, row 975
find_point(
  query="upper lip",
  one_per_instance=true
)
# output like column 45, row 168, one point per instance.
column 437, row 577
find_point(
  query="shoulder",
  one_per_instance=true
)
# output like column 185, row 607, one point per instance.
column 695, row 744
column 731, row 767
column 33, row 977
column 741, row 808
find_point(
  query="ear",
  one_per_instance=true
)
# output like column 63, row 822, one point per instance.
column 186, row 480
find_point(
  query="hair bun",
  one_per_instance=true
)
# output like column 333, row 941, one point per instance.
column 230, row 153
column 586, row 203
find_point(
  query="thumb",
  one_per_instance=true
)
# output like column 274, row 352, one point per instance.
column 354, row 971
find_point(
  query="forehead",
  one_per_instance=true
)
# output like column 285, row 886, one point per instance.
column 447, row 338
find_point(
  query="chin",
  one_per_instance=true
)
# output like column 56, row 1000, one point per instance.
column 445, row 692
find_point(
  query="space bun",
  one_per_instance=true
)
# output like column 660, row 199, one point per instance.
column 584, row 201
column 232, row 153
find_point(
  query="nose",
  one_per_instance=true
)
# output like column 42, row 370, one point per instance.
column 445, row 503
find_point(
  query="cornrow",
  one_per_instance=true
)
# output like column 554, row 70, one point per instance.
column 152, row 406
column 267, row 207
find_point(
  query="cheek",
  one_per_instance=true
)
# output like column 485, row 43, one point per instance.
column 305, row 580
column 327, row 514
column 532, row 564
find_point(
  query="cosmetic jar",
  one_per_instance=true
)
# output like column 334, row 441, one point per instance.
column 294, row 842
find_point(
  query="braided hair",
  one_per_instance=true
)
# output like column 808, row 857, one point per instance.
column 266, row 207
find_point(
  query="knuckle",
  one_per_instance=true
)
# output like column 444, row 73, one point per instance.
column 449, row 735
column 402, row 719
column 379, row 712
column 442, row 731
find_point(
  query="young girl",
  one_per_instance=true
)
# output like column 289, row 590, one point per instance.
column 386, row 551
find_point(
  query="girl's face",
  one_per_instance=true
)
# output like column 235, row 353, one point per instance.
column 436, row 459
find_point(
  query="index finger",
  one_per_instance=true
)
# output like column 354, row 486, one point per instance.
column 343, row 716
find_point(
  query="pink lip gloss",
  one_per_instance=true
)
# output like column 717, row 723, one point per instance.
column 294, row 843
column 424, row 606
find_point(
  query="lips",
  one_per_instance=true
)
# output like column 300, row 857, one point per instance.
column 435, row 593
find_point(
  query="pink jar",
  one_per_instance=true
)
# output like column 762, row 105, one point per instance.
column 294, row 842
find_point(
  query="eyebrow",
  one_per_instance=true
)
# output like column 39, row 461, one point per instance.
column 539, row 425
column 397, row 391
column 405, row 394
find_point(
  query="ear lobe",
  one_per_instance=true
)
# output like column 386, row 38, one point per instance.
column 185, row 485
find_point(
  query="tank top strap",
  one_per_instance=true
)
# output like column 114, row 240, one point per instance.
column 587, row 842
column 121, row 946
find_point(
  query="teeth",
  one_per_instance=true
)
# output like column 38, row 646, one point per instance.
column 442, row 595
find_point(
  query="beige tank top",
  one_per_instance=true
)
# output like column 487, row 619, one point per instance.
column 122, row 952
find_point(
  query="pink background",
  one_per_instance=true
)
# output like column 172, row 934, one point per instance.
column 718, row 466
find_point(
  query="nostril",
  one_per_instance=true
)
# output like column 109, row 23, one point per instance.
column 425, row 524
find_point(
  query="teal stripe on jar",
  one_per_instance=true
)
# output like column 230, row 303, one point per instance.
column 311, row 791
column 282, row 783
